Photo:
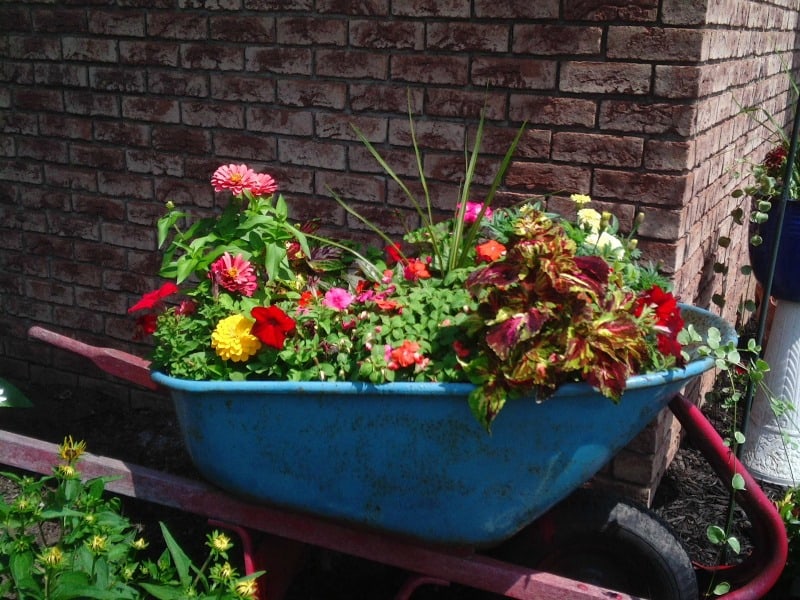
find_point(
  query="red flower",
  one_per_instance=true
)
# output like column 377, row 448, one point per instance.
column 415, row 269
column 490, row 251
column 151, row 300
column 393, row 254
column 272, row 325
column 145, row 325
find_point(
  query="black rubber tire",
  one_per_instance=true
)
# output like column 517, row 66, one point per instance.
column 608, row 541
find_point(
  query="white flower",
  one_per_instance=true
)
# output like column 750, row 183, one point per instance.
column 3, row 397
column 607, row 244
column 589, row 219
column 580, row 199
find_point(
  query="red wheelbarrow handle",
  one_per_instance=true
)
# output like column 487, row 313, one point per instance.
column 762, row 569
column 114, row 362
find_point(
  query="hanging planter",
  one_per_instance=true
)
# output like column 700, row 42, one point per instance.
column 786, row 280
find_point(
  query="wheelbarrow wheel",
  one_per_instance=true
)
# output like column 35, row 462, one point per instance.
column 608, row 541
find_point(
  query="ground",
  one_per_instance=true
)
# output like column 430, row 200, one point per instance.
column 689, row 498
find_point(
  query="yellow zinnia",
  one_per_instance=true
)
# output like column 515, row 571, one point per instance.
column 232, row 339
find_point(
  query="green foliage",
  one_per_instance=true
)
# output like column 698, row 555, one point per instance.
column 62, row 539
column 11, row 396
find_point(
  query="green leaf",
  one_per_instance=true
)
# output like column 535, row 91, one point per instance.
column 716, row 535
column 733, row 544
column 737, row 482
column 182, row 562
column 11, row 396
column 721, row 588
column 739, row 437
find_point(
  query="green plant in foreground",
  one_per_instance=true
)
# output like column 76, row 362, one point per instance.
column 63, row 538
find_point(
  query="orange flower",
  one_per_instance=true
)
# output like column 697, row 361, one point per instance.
column 404, row 355
column 416, row 269
column 490, row 251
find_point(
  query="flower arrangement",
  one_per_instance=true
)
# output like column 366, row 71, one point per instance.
column 515, row 300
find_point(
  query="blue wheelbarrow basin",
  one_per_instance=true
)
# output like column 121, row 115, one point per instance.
column 409, row 459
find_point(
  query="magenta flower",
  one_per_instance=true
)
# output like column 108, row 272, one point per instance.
column 473, row 210
column 263, row 184
column 337, row 299
column 235, row 178
column 234, row 274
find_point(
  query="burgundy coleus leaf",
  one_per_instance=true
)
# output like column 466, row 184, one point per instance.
column 593, row 270
column 503, row 337
column 500, row 275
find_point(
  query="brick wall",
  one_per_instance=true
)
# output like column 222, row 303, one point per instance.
column 111, row 108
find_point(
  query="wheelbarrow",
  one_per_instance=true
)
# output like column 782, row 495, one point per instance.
column 563, row 551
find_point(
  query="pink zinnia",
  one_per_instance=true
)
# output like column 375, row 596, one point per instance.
column 337, row 299
column 235, row 178
column 473, row 210
column 234, row 274
column 263, row 184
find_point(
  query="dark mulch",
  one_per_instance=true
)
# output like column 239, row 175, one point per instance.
column 689, row 498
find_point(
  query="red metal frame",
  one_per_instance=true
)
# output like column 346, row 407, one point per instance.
column 274, row 539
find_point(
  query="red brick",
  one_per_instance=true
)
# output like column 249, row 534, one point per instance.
column 340, row 127
column 548, row 178
column 99, row 254
column 48, row 290
column 182, row 25
column 122, row 133
column 550, row 110
column 42, row 149
column 68, row 20
column 120, row 23
column 157, row 110
column 96, row 156
column 244, row 145
column 128, row 236
column 534, row 143
column 397, row 35
column 431, row 8
column 149, row 53
column 185, row 193
column 439, row 135
column 401, row 161
column 602, row 10
column 351, row 64
column 124, row 185
column 36, row 198
column 360, row 187
column 307, row 93
column 91, row 103
column 311, row 153
column 242, row 88
column 65, row 126
column 468, row 37
column 674, row 81
column 108, row 209
column 250, row 28
column 91, row 49
column 280, row 121
column 33, row 47
column 207, row 114
column 647, row 188
column 605, row 77
column 430, row 68
column 375, row 8
column 78, row 319
column 14, row 18
column 212, row 56
column 177, row 84
column 661, row 155
column 638, row 117
column 61, row 74
column 100, row 300
column 465, row 104
column 556, row 39
column 519, row 73
column 684, row 12
column 661, row 224
column 597, row 149
column 516, row 9
column 307, row 31
column 38, row 99
column 655, row 43
column 286, row 60
column 147, row 161
column 369, row 97
column 117, row 80
column 69, row 271
column 71, row 178
column 20, row 123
